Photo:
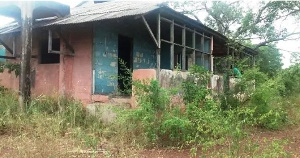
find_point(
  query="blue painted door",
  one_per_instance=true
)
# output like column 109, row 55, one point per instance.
column 105, row 61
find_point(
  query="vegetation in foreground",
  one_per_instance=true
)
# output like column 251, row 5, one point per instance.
column 196, row 121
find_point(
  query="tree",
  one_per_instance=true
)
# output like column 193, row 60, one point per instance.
column 269, row 60
column 295, row 58
column 241, row 23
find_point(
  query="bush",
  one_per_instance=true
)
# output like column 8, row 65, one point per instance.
column 195, row 86
column 290, row 78
column 267, row 102
column 243, row 89
column 255, row 92
column 201, row 121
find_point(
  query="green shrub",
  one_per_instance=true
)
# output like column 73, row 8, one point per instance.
column 244, row 87
column 260, row 95
column 175, row 127
column 201, row 121
column 151, row 96
column 228, row 101
column 267, row 102
column 195, row 86
column 251, row 78
column 290, row 78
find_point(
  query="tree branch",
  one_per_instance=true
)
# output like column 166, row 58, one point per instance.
column 275, row 40
column 220, row 23
column 243, row 29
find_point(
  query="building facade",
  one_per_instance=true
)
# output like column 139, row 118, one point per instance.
column 83, row 54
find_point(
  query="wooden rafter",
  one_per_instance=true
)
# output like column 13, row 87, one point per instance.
column 186, row 28
column 7, row 57
column 6, row 46
column 150, row 31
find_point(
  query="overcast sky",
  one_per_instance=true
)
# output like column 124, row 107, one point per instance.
column 286, row 47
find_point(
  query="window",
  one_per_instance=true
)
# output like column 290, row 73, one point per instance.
column 49, row 58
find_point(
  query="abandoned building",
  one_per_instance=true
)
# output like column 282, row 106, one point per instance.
column 77, row 52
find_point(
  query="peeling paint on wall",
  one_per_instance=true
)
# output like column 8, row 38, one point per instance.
column 144, row 53
column 113, row 64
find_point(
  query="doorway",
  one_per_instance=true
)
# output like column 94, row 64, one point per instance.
column 125, row 64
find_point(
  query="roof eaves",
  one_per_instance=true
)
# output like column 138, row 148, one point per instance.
column 91, row 14
column 194, row 22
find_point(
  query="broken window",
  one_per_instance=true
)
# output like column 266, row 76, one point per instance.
column 49, row 58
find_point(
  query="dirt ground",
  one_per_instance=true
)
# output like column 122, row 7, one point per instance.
column 28, row 146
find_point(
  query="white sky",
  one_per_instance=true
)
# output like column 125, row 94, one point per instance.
column 286, row 47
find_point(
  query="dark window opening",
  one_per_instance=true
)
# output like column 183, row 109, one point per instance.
column 125, row 47
column 49, row 58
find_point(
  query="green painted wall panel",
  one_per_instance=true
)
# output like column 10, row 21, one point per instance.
column 105, row 53
column 2, row 53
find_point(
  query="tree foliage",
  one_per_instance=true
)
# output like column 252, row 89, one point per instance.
column 269, row 60
column 295, row 58
column 11, row 67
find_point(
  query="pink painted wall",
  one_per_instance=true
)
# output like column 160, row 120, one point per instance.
column 81, row 77
column 143, row 74
column 46, row 79
column 72, row 77
column 9, row 80
column 46, row 75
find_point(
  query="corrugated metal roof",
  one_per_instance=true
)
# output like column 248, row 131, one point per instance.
column 93, row 12
column 106, row 10
column 90, row 12
column 9, row 28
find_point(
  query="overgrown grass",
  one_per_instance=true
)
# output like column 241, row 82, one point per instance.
column 187, row 118
column 49, row 118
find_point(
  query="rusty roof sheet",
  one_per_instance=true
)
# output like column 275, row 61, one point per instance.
column 105, row 10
